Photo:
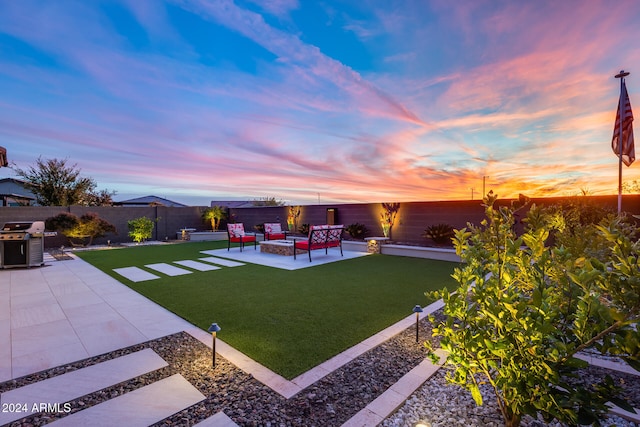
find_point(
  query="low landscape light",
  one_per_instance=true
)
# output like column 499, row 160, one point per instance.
column 214, row 328
column 417, row 310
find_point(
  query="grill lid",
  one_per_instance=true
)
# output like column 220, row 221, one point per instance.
column 16, row 226
column 23, row 226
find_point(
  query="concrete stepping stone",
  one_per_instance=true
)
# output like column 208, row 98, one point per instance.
column 70, row 386
column 218, row 420
column 141, row 407
column 168, row 269
column 200, row 266
column 221, row 261
column 135, row 274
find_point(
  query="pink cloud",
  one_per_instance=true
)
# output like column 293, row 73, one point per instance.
column 534, row 114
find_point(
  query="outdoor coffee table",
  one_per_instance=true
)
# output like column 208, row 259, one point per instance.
column 279, row 247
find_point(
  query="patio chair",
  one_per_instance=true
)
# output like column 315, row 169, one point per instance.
column 273, row 231
column 236, row 234
column 320, row 237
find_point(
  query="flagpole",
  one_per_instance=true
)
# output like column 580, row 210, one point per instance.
column 621, row 75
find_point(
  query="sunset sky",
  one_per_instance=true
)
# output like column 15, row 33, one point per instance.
column 330, row 101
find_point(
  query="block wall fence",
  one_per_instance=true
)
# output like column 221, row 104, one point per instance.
column 411, row 220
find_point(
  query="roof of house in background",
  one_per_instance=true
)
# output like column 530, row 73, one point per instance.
column 149, row 201
column 233, row 203
column 14, row 192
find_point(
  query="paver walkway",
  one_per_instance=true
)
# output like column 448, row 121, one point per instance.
column 196, row 265
column 69, row 386
column 138, row 408
column 135, row 274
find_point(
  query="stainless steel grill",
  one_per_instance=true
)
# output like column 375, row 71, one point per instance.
column 22, row 244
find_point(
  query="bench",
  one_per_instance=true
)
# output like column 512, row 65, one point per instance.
column 320, row 237
column 273, row 231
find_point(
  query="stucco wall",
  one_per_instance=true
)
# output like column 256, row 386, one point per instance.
column 169, row 220
column 412, row 218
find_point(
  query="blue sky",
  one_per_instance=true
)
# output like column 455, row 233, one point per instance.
column 337, row 101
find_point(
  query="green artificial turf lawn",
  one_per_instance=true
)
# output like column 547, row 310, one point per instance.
column 289, row 321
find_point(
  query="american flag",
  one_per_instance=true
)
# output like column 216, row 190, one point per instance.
column 628, row 149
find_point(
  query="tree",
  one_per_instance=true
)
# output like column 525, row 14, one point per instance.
column 388, row 217
column 525, row 308
column 268, row 201
column 214, row 215
column 631, row 187
column 99, row 198
column 54, row 183
column 80, row 231
column 140, row 229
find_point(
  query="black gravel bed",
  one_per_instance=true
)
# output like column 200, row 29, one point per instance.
column 331, row 401
column 443, row 404
column 629, row 384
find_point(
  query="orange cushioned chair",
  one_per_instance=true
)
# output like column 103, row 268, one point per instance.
column 236, row 234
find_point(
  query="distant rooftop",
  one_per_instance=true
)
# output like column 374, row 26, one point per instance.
column 233, row 203
column 14, row 192
column 149, row 201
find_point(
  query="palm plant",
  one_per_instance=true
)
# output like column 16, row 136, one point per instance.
column 214, row 215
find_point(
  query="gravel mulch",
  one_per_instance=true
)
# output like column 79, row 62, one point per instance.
column 329, row 402
column 445, row 405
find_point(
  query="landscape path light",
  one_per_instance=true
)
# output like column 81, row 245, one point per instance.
column 417, row 310
column 213, row 329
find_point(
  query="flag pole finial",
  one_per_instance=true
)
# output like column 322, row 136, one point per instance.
column 622, row 74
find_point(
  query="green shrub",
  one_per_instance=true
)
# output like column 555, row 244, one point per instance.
column 304, row 229
column 441, row 234
column 140, row 229
column 357, row 230
column 524, row 308
column 80, row 230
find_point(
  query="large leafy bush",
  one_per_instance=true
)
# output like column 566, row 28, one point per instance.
column 140, row 229
column 80, row 230
column 526, row 305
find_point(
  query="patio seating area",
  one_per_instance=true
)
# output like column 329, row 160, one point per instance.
column 285, row 262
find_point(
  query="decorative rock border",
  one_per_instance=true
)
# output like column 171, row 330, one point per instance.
column 331, row 401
